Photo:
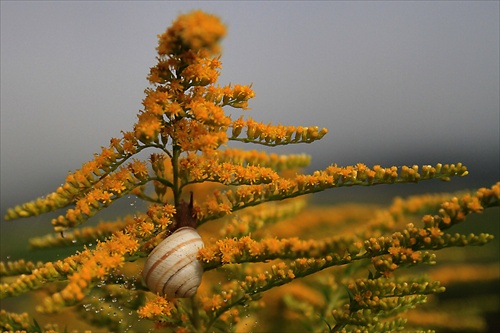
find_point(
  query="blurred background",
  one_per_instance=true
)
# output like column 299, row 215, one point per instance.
column 394, row 82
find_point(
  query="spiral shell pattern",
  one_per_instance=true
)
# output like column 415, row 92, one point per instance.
column 172, row 269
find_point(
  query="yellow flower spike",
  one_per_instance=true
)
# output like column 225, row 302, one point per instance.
column 148, row 127
column 193, row 31
column 139, row 169
column 322, row 133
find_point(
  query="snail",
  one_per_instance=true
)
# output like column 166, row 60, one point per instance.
column 172, row 269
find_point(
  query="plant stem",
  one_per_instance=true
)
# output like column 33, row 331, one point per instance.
column 175, row 171
column 195, row 314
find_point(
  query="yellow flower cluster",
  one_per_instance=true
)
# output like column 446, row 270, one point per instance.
column 18, row 267
column 93, row 265
column 273, row 135
column 80, row 236
column 387, row 253
column 452, row 315
column 181, row 106
column 196, row 31
column 270, row 160
column 333, row 176
column 99, row 196
column 156, row 308
column 401, row 247
column 13, row 322
column 246, row 249
column 93, row 179
column 82, row 270
column 370, row 296
column 196, row 168
column 42, row 273
column 455, row 210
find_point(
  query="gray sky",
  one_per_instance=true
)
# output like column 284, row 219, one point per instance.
column 394, row 82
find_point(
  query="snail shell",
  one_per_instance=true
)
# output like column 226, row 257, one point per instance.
column 172, row 269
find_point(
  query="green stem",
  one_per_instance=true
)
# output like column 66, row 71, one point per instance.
column 163, row 181
column 175, row 171
column 219, row 312
column 320, row 188
column 270, row 144
column 337, row 327
column 195, row 314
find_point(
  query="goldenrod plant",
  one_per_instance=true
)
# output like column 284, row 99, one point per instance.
column 271, row 261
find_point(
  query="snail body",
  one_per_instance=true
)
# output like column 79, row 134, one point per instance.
column 172, row 269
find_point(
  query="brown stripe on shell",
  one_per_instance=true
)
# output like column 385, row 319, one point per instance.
column 174, row 269
column 168, row 254
column 175, row 293
column 184, row 260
